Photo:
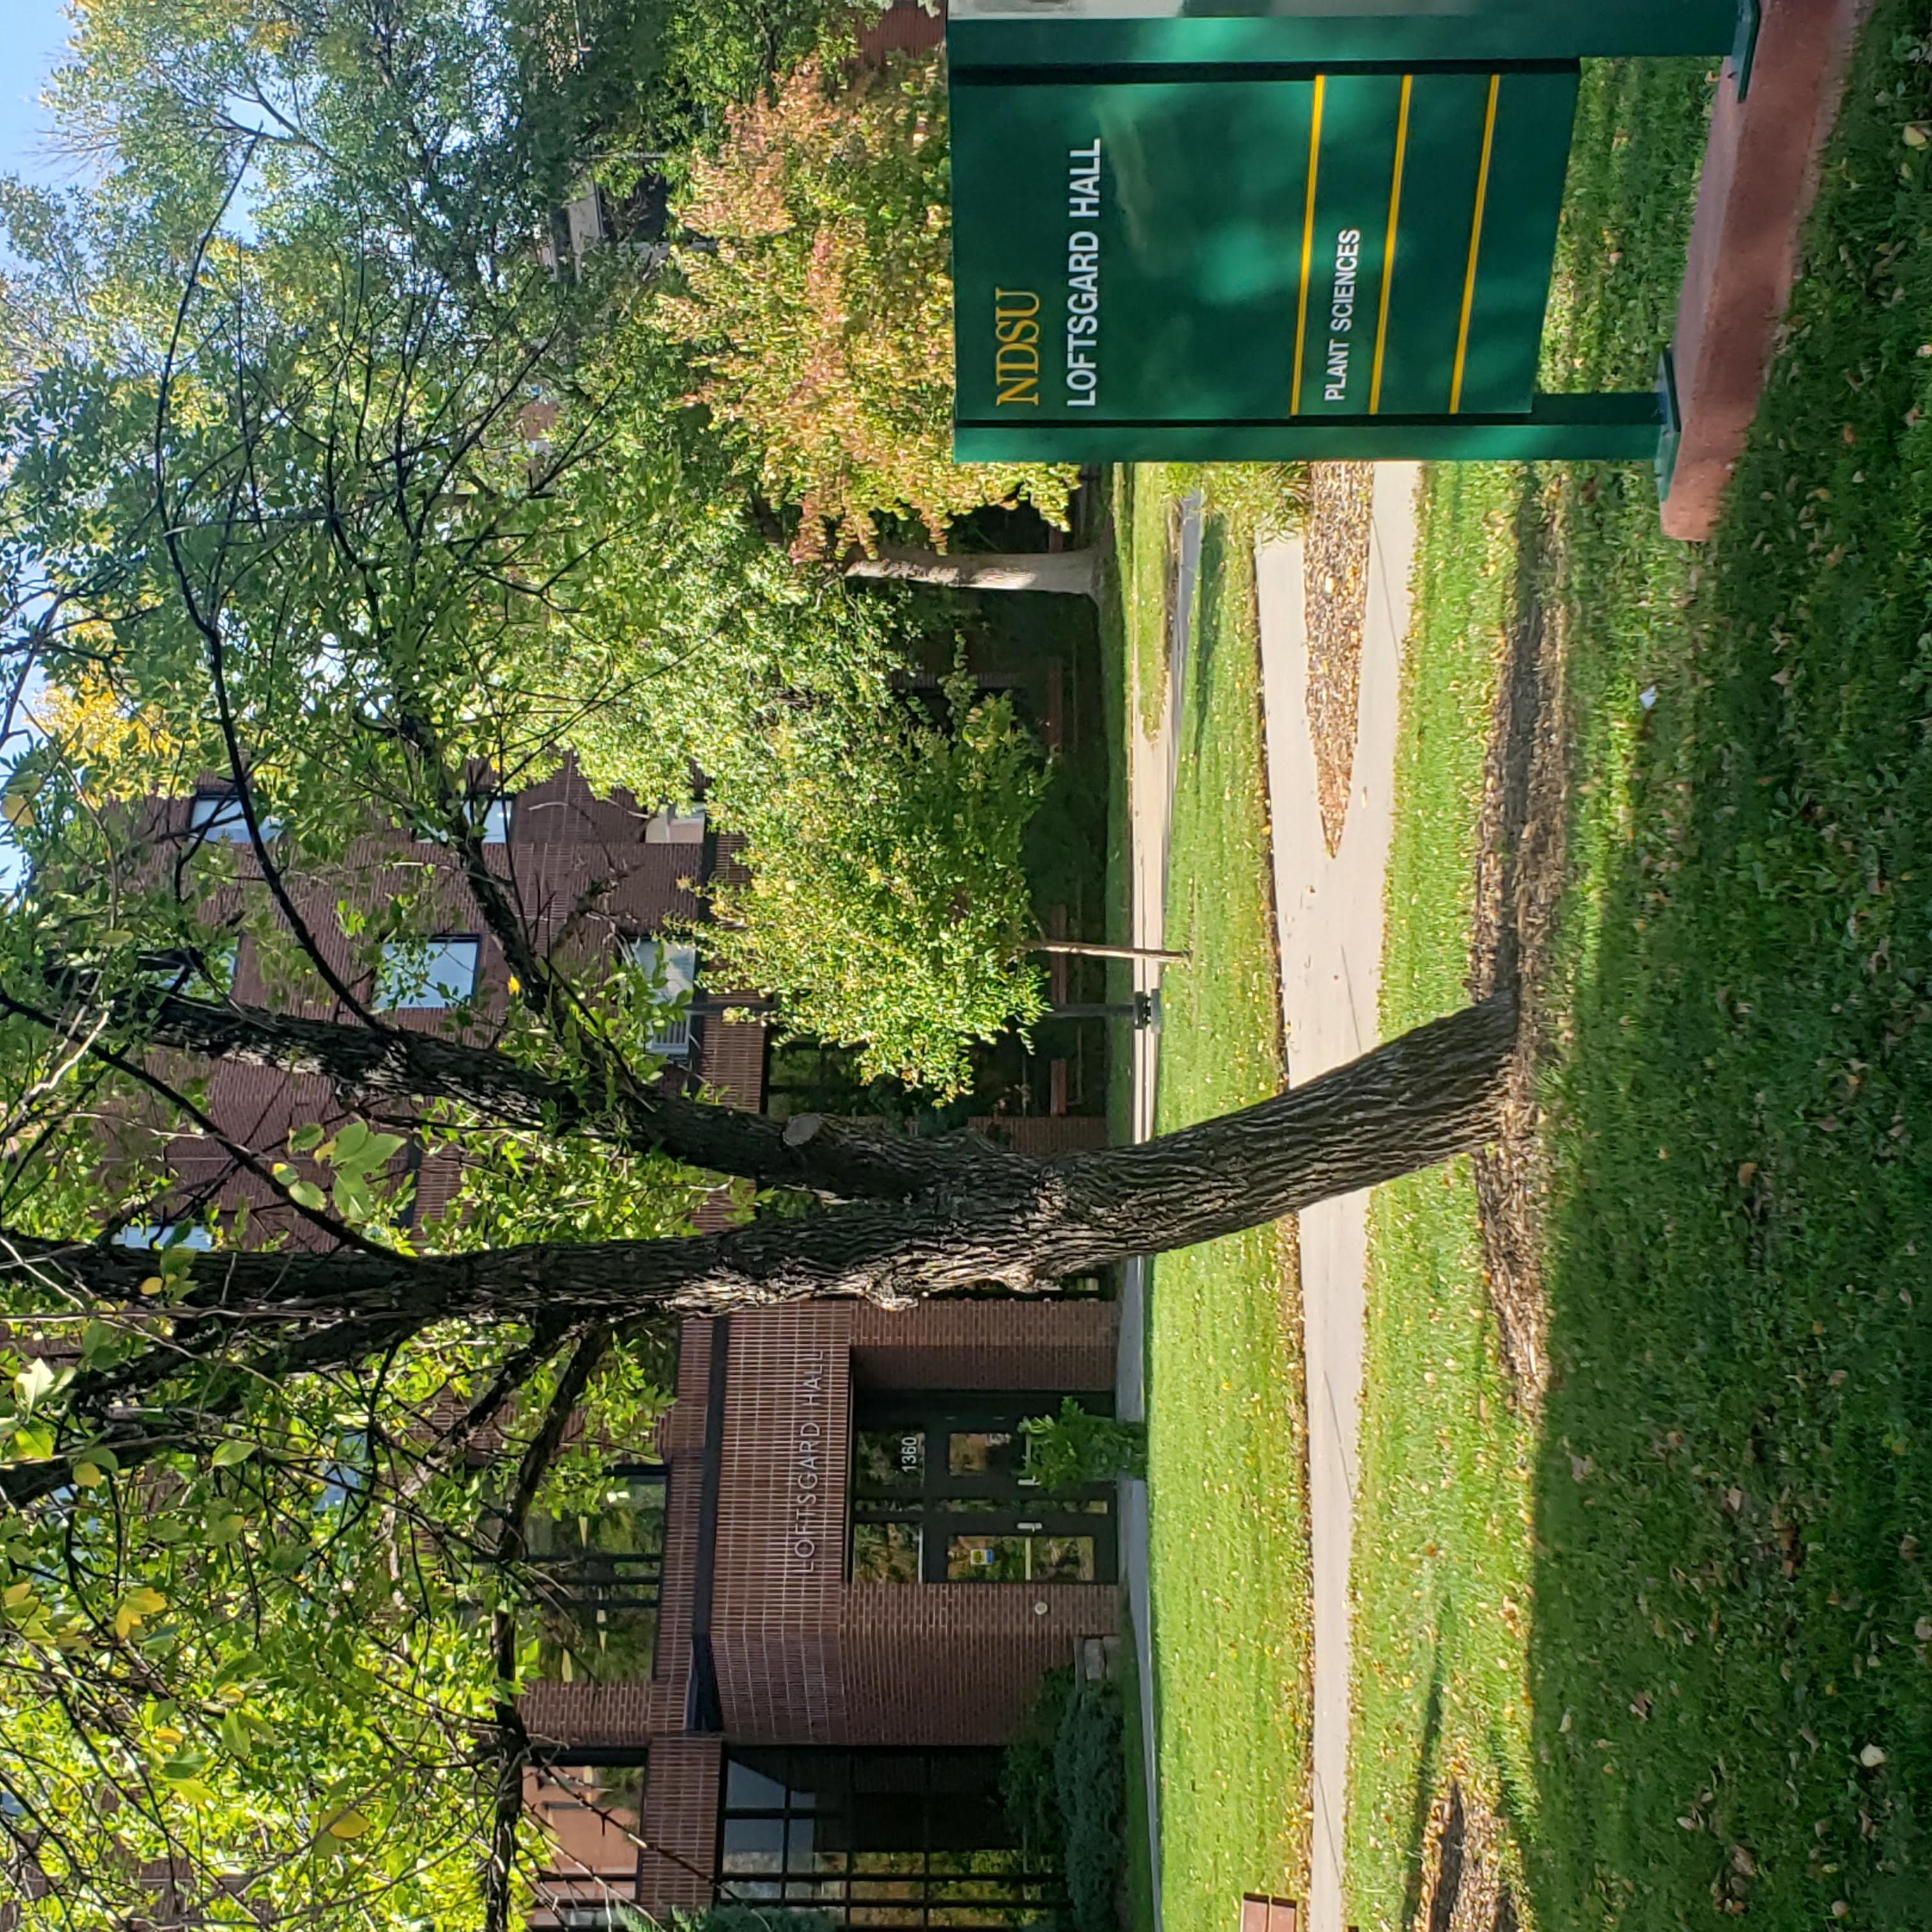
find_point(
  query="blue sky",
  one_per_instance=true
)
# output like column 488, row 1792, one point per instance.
column 31, row 34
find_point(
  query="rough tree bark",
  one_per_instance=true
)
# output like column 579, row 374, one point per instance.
column 994, row 1219
column 1072, row 573
column 374, row 1066
column 999, row 1219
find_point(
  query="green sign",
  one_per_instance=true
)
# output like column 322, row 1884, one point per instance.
column 1241, row 257
column 1369, row 243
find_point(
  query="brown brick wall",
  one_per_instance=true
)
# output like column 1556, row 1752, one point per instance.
column 905, row 27
column 804, row 1657
column 957, row 1663
column 681, row 1816
column 986, row 1345
column 780, row 1577
column 572, row 858
column 1043, row 1135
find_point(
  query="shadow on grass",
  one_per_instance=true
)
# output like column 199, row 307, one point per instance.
column 1214, row 608
column 1425, row 1794
column 1731, row 1670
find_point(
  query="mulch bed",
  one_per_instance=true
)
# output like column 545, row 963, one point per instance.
column 1519, row 867
column 1463, row 1887
column 1335, row 587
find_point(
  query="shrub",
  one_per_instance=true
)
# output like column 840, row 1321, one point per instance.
column 1065, row 1787
column 1027, row 1777
column 1073, row 1448
column 818, row 304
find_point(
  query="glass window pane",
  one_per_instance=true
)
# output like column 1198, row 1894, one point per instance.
column 748, row 1787
column 421, row 974
column 1062, row 1559
column 889, row 1460
column 218, row 816
column 193, row 1235
column 984, row 1452
column 671, row 967
column 754, row 1844
column 986, row 1559
column 497, row 821
column 885, row 1552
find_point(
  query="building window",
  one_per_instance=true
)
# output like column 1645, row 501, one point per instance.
column 591, row 1816
column 494, row 815
column 422, row 973
column 670, row 827
column 195, row 1234
column 940, row 1494
column 886, row 1839
column 599, row 1576
column 217, row 816
column 671, row 967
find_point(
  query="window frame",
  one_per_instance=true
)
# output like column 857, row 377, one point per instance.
column 676, row 1041
column 571, row 1583
column 932, row 1886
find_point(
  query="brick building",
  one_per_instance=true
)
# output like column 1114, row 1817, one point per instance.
column 844, row 1599
column 783, row 1660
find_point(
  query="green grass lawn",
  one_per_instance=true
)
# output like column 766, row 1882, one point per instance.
column 1137, row 1882
column 1229, row 1558
column 1682, row 1637
column 1442, row 1556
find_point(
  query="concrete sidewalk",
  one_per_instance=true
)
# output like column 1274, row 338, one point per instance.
column 1329, row 912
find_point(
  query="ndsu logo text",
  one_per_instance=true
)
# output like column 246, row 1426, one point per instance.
column 1016, row 357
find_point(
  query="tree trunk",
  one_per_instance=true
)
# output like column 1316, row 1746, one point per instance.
column 369, row 1066
column 1068, row 572
column 996, row 1221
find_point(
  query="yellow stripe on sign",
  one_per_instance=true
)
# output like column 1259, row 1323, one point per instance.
column 1475, row 242
column 1307, row 245
column 1388, row 246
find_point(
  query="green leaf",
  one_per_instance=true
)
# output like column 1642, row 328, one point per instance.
column 227, row 1454
column 349, row 1140
column 34, row 1444
column 306, row 1140
column 353, row 1200
column 97, row 1342
column 34, row 1380
column 306, row 1194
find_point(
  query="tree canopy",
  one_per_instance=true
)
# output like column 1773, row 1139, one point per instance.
column 315, row 482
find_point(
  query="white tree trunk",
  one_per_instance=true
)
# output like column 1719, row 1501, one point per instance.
column 1073, row 573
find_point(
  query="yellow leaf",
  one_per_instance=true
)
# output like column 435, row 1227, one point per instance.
column 16, row 1593
column 152, row 1285
column 347, row 1825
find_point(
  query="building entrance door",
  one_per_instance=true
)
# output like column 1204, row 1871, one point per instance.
column 940, row 1495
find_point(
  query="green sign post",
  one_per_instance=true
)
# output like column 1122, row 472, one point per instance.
column 1290, row 228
